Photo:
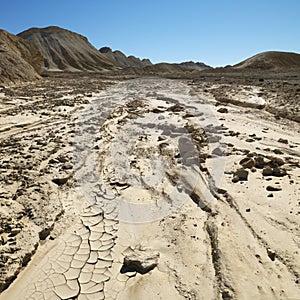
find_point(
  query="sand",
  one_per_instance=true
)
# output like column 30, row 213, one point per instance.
column 154, row 206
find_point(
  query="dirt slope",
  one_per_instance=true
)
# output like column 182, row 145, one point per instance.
column 66, row 50
column 19, row 60
column 271, row 60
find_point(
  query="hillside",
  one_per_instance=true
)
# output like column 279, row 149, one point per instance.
column 66, row 50
column 120, row 59
column 271, row 60
column 19, row 60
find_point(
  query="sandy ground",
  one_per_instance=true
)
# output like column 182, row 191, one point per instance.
column 154, row 192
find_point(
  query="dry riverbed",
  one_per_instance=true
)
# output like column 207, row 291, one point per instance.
column 147, row 189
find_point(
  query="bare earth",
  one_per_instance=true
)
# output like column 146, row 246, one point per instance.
column 147, row 189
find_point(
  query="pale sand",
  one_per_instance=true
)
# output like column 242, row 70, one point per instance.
column 135, row 192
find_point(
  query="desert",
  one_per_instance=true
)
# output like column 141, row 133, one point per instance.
column 125, row 179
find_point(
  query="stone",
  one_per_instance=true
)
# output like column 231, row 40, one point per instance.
column 250, row 140
column 279, row 172
column 247, row 162
column 267, row 171
column 259, row 162
column 139, row 260
column 241, row 174
column 223, row 110
column 271, row 188
column 67, row 166
column 60, row 181
column 283, row 141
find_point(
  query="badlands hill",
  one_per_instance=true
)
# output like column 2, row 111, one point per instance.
column 66, row 50
column 120, row 59
column 19, row 60
column 271, row 60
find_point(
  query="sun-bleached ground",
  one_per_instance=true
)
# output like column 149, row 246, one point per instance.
column 148, row 190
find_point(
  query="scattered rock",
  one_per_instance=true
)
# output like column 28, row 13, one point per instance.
column 283, row 141
column 259, row 162
column 279, row 172
column 277, row 151
column 67, row 166
column 271, row 188
column 60, row 181
column 223, row 110
column 267, row 171
column 247, row 163
column 240, row 175
column 250, row 140
column 271, row 254
column 139, row 260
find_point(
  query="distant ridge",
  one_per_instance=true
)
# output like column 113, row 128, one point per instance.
column 270, row 60
column 199, row 66
column 120, row 59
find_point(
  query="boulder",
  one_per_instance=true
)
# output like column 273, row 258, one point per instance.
column 267, row 171
column 247, row 162
column 223, row 110
column 240, row 175
column 139, row 260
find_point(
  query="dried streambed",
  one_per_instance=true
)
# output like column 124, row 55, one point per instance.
column 152, row 194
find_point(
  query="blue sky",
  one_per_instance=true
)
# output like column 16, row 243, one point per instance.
column 217, row 32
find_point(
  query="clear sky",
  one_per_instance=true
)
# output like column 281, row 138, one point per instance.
column 217, row 32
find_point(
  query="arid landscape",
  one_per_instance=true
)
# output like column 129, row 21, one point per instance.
column 124, row 179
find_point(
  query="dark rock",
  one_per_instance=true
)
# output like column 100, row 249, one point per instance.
column 271, row 188
column 223, row 110
column 250, row 140
column 283, row 141
column 267, row 171
column 275, row 161
column 247, row 163
column 241, row 174
column 279, row 172
column 60, row 181
column 271, row 254
column 235, row 179
column 259, row 162
column 277, row 151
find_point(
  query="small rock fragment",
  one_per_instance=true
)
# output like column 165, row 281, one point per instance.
column 241, row 175
column 283, row 141
column 267, row 171
column 271, row 188
column 223, row 110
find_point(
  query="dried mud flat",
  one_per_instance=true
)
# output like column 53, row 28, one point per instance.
column 148, row 189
